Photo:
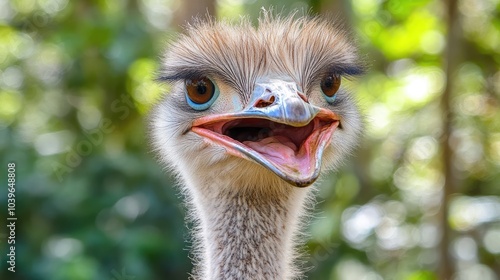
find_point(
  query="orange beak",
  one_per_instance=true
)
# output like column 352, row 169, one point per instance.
column 279, row 130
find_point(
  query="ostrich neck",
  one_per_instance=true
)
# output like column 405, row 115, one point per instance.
column 247, row 232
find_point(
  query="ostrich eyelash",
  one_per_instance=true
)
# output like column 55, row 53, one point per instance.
column 184, row 74
column 189, row 73
column 347, row 70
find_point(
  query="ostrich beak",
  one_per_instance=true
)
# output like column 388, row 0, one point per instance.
column 279, row 129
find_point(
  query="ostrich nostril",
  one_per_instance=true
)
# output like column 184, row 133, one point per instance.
column 303, row 96
column 261, row 103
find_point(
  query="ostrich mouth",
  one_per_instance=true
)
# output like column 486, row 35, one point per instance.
column 293, row 152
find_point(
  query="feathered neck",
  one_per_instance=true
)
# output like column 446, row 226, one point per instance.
column 247, row 232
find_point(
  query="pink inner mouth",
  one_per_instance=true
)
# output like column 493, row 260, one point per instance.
column 293, row 153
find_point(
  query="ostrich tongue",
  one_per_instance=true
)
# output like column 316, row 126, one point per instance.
column 274, row 146
column 293, row 153
column 297, row 154
column 281, row 151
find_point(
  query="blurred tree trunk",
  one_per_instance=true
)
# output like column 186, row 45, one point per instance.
column 339, row 8
column 450, row 65
column 191, row 8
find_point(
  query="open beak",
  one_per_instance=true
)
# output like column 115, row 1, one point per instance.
column 279, row 130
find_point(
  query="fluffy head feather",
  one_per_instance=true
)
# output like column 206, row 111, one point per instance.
column 224, row 188
column 236, row 56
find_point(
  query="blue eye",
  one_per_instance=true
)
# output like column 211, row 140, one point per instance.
column 329, row 86
column 201, row 93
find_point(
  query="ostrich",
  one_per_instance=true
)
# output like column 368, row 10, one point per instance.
column 252, row 116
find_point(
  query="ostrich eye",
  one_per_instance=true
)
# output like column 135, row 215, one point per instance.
column 330, row 85
column 200, row 93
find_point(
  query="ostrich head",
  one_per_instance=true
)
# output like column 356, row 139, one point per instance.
column 253, row 115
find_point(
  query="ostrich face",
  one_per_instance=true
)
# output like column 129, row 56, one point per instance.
column 270, row 96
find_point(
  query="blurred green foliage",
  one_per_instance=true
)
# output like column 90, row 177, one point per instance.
column 76, row 81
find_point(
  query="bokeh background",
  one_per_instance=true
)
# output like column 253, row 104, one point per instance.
column 418, row 201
